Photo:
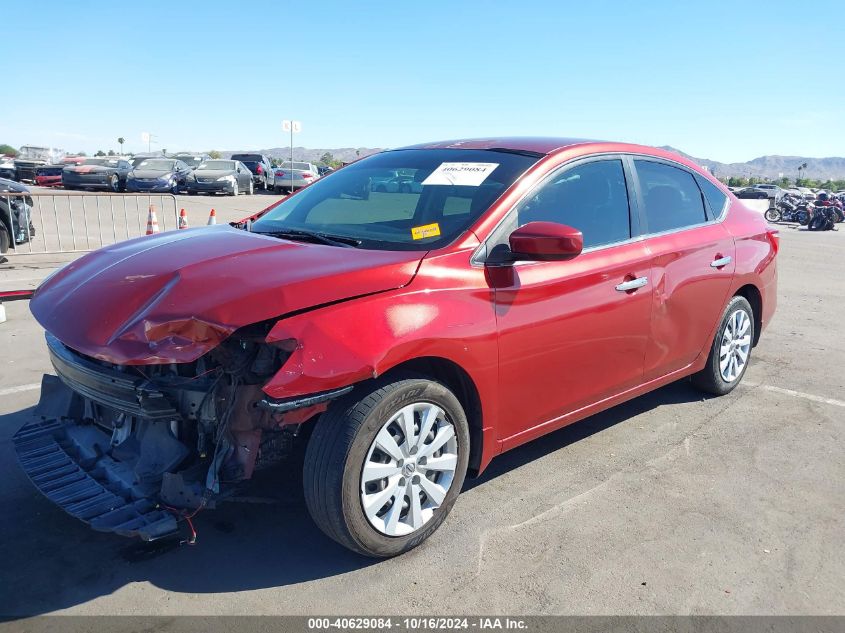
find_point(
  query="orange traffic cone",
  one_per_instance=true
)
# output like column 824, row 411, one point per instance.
column 212, row 217
column 152, row 221
column 183, row 219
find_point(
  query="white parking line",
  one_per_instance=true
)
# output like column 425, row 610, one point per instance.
column 801, row 394
column 8, row 391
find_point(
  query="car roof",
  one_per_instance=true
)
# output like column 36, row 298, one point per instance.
column 537, row 144
column 542, row 145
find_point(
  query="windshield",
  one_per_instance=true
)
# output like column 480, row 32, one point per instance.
column 105, row 162
column 217, row 164
column 156, row 165
column 191, row 161
column 415, row 199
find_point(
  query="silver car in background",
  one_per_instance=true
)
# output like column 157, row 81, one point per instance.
column 292, row 176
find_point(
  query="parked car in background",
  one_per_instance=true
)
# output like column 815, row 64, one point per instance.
column 15, row 214
column 97, row 173
column 324, row 169
column 158, row 174
column 292, row 176
column 26, row 168
column 49, row 175
column 7, row 168
column 533, row 282
column 752, row 193
column 772, row 190
column 220, row 176
column 397, row 184
column 261, row 167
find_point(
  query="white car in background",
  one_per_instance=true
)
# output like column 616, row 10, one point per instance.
column 292, row 176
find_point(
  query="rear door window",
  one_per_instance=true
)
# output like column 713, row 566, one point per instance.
column 671, row 196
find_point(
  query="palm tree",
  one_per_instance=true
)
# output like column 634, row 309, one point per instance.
column 121, row 141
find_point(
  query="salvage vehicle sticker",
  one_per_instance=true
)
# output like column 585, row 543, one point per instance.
column 426, row 230
column 465, row 174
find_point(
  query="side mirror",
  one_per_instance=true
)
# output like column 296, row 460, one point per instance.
column 545, row 241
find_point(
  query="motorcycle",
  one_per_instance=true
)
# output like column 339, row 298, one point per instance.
column 824, row 217
column 791, row 208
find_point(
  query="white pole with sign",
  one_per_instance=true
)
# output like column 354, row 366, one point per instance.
column 294, row 127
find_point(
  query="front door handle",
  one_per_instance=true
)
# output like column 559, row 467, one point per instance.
column 721, row 262
column 633, row 284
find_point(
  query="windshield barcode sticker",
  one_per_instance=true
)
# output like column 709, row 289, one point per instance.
column 462, row 174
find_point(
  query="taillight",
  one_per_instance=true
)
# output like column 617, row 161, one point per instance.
column 774, row 238
column 280, row 174
column 307, row 175
column 259, row 170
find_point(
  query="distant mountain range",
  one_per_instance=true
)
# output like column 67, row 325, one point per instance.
column 773, row 166
column 762, row 167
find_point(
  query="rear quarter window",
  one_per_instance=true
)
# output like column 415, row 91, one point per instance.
column 715, row 197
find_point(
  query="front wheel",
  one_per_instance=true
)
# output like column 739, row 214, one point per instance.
column 114, row 183
column 385, row 464
column 730, row 351
column 772, row 215
column 235, row 191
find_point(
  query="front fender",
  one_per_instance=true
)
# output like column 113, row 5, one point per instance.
column 446, row 313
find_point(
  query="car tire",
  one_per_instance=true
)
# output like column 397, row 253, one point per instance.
column 734, row 338
column 344, row 445
column 114, row 183
column 5, row 239
column 251, row 188
column 235, row 191
column 277, row 190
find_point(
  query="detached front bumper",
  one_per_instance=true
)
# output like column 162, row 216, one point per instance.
column 66, row 462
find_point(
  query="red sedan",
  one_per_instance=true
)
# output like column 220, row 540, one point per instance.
column 401, row 340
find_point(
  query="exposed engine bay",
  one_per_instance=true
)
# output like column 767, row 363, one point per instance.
column 134, row 448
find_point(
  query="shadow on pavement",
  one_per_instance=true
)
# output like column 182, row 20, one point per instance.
column 51, row 561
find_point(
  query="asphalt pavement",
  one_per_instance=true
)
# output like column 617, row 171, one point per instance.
column 673, row 503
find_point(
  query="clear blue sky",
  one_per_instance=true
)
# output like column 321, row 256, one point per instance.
column 722, row 80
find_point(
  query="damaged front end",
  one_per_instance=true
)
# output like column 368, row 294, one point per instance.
column 131, row 449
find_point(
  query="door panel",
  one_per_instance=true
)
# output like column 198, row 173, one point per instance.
column 689, row 294
column 567, row 337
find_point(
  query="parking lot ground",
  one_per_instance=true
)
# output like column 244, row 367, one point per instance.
column 673, row 503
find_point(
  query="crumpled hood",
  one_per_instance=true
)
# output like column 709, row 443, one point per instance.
column 173, row 296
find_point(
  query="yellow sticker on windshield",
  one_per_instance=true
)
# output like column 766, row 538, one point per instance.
column 427, row 230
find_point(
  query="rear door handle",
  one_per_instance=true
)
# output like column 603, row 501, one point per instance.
column 633, row 284
column 721, row 262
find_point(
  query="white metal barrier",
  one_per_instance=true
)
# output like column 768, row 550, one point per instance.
column 68, row 223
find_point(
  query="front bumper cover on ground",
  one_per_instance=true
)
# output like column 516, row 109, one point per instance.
column 68, row 463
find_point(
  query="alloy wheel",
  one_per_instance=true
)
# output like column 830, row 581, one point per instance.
column 409, row 469
column 735, row 345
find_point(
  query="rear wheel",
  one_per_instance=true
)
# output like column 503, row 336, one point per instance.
column 385, row 465
column 251, row 187
column 730, row 351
